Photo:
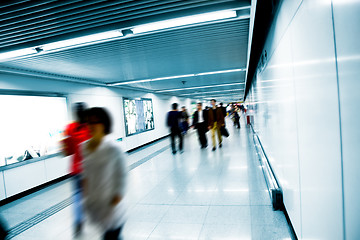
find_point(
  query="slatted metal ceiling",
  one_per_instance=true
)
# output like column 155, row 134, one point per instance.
column 205, row 48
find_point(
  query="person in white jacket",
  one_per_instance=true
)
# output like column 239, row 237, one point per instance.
column 104, row 176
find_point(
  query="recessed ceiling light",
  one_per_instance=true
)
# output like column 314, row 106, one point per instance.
column 82, row 40
column 182, row 21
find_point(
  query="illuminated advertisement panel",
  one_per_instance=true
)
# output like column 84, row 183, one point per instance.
column 30, row 126
column 139, row 115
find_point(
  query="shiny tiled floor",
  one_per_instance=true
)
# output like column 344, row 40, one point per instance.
column 199, row 194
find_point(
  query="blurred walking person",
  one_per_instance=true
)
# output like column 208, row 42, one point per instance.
column 216, row 121
column 236, row 117
column 104, row 176
column 76, row 133
column 200, row 122
column 184, row 120
column 173, row 122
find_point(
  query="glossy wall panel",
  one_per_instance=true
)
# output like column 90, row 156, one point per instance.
column 296, row 105
column 318, row 121
column 347, row 32
column 276, row 124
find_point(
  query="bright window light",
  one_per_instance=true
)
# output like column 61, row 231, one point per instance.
column 82, row 40
column 206, row 17
column 17, row 53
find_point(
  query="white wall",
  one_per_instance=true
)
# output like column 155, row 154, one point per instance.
column 97, row 96
column 31, row 175
column 299, row 100
column 347, row 33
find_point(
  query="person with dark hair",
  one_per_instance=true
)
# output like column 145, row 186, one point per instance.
column 200, row 122
column 173, row 122
column 104, row 176
column 184, row 120
column 236, row 117
column 76, row 133
column 216, row 121
column 223, row 109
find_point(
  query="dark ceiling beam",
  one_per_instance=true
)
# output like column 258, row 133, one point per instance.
column 265, row 12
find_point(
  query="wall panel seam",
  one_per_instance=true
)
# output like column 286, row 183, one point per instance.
column 340, row 128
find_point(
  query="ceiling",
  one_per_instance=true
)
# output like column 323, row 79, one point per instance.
column 196, row 49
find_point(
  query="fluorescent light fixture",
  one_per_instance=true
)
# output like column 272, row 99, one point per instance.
column 224, row 71
column 17, row 53
column 177, row 22
column 151, row 79
column 200, row 87
column 129, row 82
column 172, row 77
column 82, row 40
column 230, row 90
column 175, row 77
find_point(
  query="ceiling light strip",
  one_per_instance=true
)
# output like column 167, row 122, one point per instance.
column 95, row 38
column 200, row 87
column 176, row 77
column 182, row 21
column 229, row 90
column 17, row 53
column 82, row 40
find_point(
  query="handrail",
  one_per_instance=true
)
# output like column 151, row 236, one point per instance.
column 272, row 183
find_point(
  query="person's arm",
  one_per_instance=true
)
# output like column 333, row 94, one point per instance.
column 168, row 119
column 221, row 116
column 210, row 119
column 195, row 118
column 84, row 186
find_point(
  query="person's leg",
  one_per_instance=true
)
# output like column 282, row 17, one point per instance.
column 200, row 131
column 219, row 135
column 172, row 138
column 199, row 135
column 213, row 130
column 78, row 209
column 180, row 141
column 204, row 134
column 112, row 234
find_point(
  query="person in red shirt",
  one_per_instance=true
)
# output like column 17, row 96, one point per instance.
column 76, row 133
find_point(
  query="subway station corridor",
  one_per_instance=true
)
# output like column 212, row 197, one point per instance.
column 199, row 194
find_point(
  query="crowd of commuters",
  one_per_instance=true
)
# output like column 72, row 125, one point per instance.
column 209, row 119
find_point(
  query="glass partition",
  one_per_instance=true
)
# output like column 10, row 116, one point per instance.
column 30, row 126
